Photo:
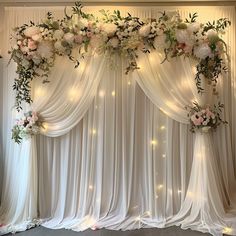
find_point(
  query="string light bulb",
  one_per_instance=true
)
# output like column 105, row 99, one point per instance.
column 160, row 186
column 113, row 93
column 153, row 142
column 227, row 230
column 101, row 93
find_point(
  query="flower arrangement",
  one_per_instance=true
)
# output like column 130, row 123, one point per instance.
column 36, row 45
column 205, row 118
column 28, row 125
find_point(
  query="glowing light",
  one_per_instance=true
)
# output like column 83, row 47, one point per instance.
column 179, row 191
column 151, row 58
column 94, row 131
column 148, row 213
column 156, row 197
column 113, row 93
column 190, row 194
column 227, row 230
column 164, row 155
column 90, row 187
column 162, row 127
column 45, row 127
column 129, row 83
column 160, row 186
column 39, row 92
column 153, row 142
column 96, row 107
column 101, row 93
column 73, row 94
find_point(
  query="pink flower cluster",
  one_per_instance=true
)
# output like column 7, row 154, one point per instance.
column 28, row 120
column 203, row 117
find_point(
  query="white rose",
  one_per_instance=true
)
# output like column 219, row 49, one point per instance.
column 211, row 33
column 109, row 28
column 193, row 27
column 30, row 31
column 69, row 38
column 114, row 42
column 58, row 34
column 182, row 36
column 202, row 51
column 45, row 49
column 83, row 23
column 37, row 37
column 144, row 31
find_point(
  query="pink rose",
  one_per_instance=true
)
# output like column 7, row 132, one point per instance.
column 89, row 34
column 78, row 39
column 32, row 45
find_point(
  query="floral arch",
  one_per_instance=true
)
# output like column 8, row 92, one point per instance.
column 80, row 35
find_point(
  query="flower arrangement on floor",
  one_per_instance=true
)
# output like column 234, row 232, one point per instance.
column 205, row 118
column 28, row 125
column 37, row 45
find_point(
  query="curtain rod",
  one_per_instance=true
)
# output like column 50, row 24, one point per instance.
column 120, row 3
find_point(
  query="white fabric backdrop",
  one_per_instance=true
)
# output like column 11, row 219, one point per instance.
column 91, row 145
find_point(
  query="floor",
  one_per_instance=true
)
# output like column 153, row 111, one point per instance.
column 171, row 231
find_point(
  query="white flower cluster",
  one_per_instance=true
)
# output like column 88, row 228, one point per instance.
column 36, row 46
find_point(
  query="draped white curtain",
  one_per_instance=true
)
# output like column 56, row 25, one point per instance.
column 126, row 164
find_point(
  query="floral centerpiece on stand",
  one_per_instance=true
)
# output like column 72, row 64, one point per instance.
column 26, row 126
column 205, row 118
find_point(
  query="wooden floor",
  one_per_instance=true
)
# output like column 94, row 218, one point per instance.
column 171, row 231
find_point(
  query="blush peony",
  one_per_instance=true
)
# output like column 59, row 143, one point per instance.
column 45, row 49
column 31, row 31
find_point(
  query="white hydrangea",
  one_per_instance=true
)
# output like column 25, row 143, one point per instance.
column 114, row 42
column 30, row 31
column 193, row 27
column 202, row 51
column 45, row 49
column 69, row 37
column 144, row 31
column 109, row 29
column 182, row 36
column 58, row 34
